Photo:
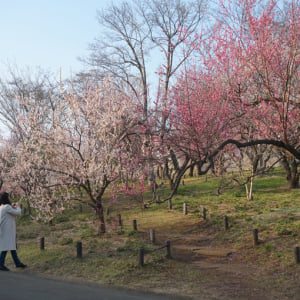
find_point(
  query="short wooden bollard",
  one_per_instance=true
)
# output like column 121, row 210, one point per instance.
column 185, row 209
column 134, row 225
column 42, row 243
column 141, row 256
column 204, row 211
column 170, row 204
column 79, row 249
column 152, row 236
column 255, row 237
column 80, row 208
column 297, row 254
column 226, row 224
column 168, row 249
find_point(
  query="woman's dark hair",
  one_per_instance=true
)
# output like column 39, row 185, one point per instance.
column 4, row 198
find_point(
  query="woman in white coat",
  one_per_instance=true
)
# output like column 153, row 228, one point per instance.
column 8, row 213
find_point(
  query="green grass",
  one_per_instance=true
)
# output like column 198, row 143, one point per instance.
column 112, row 258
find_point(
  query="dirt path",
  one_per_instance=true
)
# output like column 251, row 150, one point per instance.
column 221, row 274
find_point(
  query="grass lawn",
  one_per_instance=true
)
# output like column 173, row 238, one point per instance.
column 267, row 270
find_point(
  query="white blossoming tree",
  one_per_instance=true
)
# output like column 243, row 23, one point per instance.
column 83, row 140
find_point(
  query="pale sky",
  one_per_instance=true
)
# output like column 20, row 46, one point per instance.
column 51, row 34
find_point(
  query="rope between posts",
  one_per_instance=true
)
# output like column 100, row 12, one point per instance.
column 158, row 248
column 142, row 252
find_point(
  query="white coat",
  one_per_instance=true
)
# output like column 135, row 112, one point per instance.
column 8, row 227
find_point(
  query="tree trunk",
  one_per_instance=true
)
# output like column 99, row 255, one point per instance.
column 100, row 215
column 176, row 182
column 191, row 173
column 199, row 168
column 249, row 189
column 294, row 179
column 159, row 172
column 292, row 174
column 28, row 207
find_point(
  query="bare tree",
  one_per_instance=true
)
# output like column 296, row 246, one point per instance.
column 141, row 34
column 121, row 51
column 171, row 24
column 144, row 42
column 17, row 85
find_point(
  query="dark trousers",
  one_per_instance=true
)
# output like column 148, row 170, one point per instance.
column 13, row 255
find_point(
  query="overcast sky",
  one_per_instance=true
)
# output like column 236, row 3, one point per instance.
column 51, row 34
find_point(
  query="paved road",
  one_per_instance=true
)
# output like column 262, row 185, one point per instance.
column 22, row 286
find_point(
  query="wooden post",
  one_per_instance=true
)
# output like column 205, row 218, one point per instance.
column 42, row 243
column 120, row 223
column 80, row 208
column 157, row 199
column 79, row 249
column 169, row 204
column 297, row 254
column 185, row 208
column 152, row 236
column 134, row 225
column 107, row 211
column 141, row 256
column 255, row 237
column 204, row 213
column 168, row 249
column 226, row 225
